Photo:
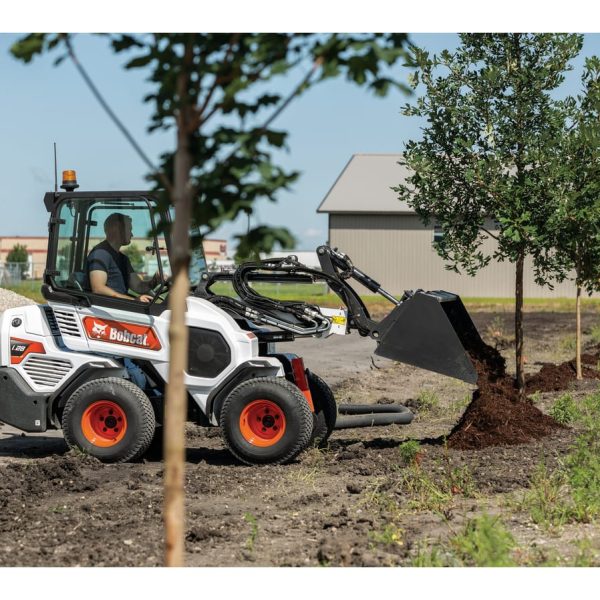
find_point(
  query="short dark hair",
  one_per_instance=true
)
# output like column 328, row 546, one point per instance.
column 114, row 219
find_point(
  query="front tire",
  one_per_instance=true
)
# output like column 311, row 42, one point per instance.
column 109, row 418
column 266, row 420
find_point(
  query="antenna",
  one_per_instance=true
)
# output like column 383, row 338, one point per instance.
column 55, row 171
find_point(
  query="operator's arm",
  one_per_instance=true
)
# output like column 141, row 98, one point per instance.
column 141, row 286
column 98, row 284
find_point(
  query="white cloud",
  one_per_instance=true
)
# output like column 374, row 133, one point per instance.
column 312, row 232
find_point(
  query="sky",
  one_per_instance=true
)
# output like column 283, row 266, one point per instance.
column 41, row 104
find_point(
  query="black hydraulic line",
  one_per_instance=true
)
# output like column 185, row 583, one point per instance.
column 369, row 415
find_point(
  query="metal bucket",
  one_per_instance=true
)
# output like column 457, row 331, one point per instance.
column 430, row 330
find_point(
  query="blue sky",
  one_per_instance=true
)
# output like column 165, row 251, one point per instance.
column 40, row 104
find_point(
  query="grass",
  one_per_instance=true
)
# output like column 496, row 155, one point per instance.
column 564, row 410
column 546, row 500
column 583, row 464
column 29, row 288
column 571, row 493
column 318, row 294
column 409, row 451
column 428, row 401
column 567, row 344
column 390, row 535
column 251, row 539
column 483, row 542
column 595, row 333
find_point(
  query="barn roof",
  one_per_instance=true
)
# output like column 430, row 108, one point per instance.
column 364, row 186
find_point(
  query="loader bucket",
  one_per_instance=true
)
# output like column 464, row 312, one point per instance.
column 430, row 330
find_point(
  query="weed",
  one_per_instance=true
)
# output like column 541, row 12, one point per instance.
column 495, row 331
column 595, row 334
column 435, row 557
column 585, row 556
column 564, row 410
column 484, row 542
column 536, row 397
column 251, row 520
column 460, row 404
column 390, row 535
column 567, row 344
column 583, row 470
column 546, row 499
column 409, row 451
column 423, row 492
column 311, row 467
column 428, row 401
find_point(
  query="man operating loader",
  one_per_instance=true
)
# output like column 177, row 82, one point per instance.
column 109, row 271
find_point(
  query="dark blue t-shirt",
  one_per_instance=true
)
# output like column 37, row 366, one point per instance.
column 116, row 265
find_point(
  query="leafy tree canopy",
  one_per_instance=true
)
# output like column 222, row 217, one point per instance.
column 575, row 224
column 231, row 99
column 486, row 152
column 18, row 254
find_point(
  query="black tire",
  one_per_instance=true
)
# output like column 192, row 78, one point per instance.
column 325, row 414
column 289, row 401
column 135, row 406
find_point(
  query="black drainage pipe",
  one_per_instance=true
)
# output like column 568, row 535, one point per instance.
column 372, row 415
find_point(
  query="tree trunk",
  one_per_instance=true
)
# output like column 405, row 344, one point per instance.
column 176, row 400
column 520, row 363
column 578, row 332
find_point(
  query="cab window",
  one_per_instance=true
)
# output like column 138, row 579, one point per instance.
column 107, row 230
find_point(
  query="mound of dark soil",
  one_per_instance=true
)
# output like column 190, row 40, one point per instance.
column 495, row 415
column 553, row 378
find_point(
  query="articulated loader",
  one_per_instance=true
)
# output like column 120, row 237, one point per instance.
column 96, row 366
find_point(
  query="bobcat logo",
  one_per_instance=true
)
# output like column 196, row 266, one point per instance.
column 116, row 332
column 98, row 330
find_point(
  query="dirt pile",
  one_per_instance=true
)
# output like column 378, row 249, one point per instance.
column 554, row 378
column 495, row 415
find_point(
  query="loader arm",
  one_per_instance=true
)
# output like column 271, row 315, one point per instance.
column 426, row 329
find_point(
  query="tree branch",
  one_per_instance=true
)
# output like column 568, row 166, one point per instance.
column 160, row 174
column 235, row 37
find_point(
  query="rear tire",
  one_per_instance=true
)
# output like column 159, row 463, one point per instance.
column 266, row 420
column 325, row 414
column 110, row 418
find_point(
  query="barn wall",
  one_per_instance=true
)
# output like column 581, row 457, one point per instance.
column 396, row 250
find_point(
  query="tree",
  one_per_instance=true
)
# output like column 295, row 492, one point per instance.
column 135, row 257
column 213, row 89
column 482, row 168
column 575, row 224
column 19, row 257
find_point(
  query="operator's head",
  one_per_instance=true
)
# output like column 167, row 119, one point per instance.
column 118, row 229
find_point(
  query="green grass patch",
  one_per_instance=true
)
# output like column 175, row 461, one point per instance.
column 595, row 333
column 564, row 410
column 30, row 289
column 408, row 451
column 547, row 501
column 428, row 401
column 484, row 542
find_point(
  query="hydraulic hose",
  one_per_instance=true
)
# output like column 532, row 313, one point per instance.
column 372, row 415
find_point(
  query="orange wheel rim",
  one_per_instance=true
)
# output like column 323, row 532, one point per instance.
column 262, row 423
column 104, row 423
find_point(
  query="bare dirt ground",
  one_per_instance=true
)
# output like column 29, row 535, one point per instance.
column 343, row 505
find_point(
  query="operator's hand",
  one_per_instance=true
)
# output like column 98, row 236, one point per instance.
column 145, row 298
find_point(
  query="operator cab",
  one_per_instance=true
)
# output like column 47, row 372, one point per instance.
column 78, row 224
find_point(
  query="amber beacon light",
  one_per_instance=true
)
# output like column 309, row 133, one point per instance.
column 69, row 180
